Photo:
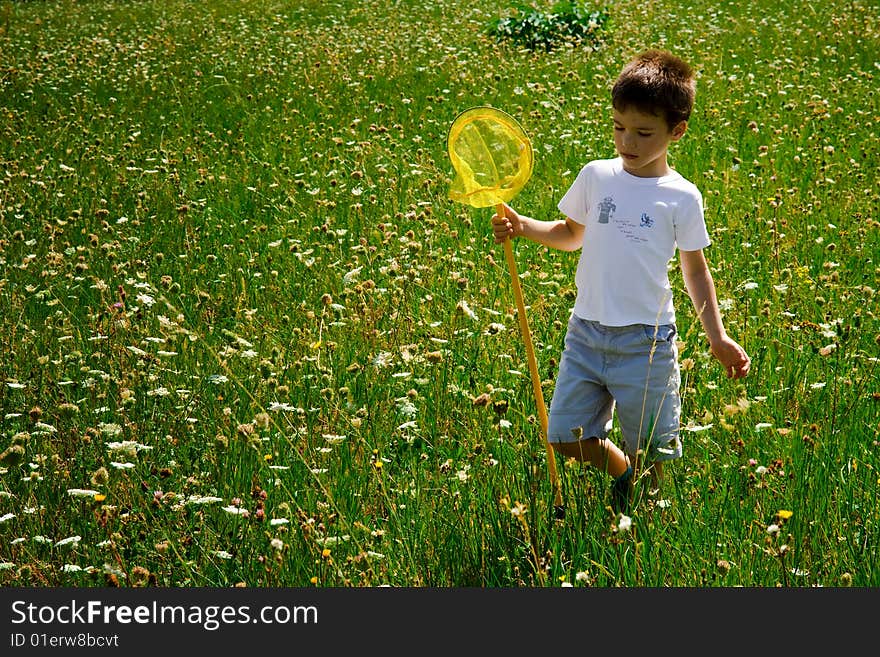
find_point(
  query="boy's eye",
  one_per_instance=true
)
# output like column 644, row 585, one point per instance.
column 640, row 133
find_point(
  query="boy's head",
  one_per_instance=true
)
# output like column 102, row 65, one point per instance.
column 659, row 83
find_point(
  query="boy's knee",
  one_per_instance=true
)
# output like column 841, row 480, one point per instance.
column 578, row 449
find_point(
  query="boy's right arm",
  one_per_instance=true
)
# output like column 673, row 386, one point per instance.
column 563, row 234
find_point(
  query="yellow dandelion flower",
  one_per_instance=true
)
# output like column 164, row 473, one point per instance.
column 100, row 498
column 314, row 580
column 784, row 514
column 325, row 553
column 267, row 457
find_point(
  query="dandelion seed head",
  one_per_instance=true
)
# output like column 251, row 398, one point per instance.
column 100, row 477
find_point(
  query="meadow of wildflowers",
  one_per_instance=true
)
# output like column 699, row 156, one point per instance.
column 246, row 339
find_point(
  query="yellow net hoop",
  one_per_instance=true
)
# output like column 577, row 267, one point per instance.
column 491, row 155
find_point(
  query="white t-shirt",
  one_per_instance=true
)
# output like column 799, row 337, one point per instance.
column 632, row 227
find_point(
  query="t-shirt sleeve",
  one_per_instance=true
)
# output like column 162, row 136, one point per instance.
column 690, row 224
column 575, row 203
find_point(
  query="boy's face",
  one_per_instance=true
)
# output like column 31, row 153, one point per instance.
column 642, row 141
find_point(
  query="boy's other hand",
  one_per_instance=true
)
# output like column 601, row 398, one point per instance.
column 733, row 358
column 507, row 225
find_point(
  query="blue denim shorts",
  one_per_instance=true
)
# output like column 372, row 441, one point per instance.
column 631, row 371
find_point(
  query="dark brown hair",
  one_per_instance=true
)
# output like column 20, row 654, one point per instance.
column 658, row 83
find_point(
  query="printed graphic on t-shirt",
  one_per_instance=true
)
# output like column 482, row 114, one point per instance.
column 634, row 232
column 606, row 209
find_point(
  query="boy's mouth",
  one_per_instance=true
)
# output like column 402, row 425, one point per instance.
column 629, row 156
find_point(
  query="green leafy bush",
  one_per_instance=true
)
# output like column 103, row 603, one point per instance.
column 566, row 22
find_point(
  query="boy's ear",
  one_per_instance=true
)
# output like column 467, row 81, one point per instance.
column 679, row 130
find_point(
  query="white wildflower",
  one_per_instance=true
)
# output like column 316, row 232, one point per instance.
column 203, row 499
column 235, row 510
column 109, row 428
column 81, row 492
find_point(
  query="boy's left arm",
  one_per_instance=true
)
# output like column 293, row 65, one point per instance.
column 701, row 289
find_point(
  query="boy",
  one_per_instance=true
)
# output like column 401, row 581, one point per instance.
column 628, row 215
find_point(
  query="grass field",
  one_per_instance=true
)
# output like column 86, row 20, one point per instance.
column 246, row 338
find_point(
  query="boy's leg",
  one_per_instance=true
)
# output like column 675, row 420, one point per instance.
column 601, row 453
column 646, row 387
column 581, row 408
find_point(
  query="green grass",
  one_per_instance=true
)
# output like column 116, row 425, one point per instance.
column 232, row 280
